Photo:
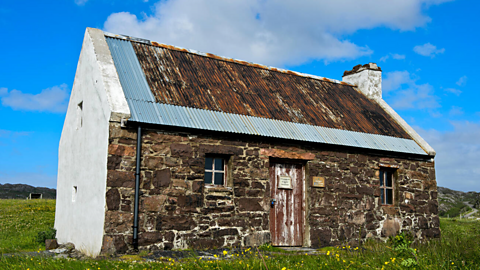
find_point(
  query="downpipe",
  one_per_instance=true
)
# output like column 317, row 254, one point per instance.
column 137, row 189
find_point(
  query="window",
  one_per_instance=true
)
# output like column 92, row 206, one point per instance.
column 80, row 115
column 386, row 186
column 74, row 194
column 215, row 173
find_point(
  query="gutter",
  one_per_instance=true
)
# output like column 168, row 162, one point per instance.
column 137, row 189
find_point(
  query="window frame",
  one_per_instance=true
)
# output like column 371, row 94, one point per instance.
column 216, row 170
column 385, row 174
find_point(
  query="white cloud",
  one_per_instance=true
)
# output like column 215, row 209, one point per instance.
column 461, row 82
column 453, row 91
column 405, row 93
column 428, row 49
column 398, row 56
column 456, row 111
column 384, row 58
column 12, row 134
column 416, row 97
column 80, row 2
column 395, row 79
column 458, row 153
column 394, row 56
column 3, row 91
column 270, row 32
column 54, row 99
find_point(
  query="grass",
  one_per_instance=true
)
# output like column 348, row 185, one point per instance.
column 457, row 249
column 21, row 221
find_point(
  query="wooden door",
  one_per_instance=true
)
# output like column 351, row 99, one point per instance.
column 287, row 211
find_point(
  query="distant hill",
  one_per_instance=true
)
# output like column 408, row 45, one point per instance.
column 452, row 202
column 21, row 191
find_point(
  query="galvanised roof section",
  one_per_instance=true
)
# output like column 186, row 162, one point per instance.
column 144, row 109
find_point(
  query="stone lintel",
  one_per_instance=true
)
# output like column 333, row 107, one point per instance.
column 277, row 153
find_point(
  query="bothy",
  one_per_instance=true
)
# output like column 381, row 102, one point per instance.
column 221, row 152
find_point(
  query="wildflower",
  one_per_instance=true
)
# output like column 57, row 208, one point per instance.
column 225, row 252
column 452, row 263
column 328, row 252
column 215, row 255
column 386, row 263
column 284, row 268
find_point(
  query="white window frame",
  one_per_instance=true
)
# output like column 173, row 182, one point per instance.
column 385, row 174
column 216, row 170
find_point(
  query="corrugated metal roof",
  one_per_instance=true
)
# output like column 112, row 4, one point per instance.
column 196, row 81
column 145, row 109
column 171, row 115
column 129, row 70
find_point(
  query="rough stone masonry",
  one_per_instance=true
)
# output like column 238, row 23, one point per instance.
column 178, row 211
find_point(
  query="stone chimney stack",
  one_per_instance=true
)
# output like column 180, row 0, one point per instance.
column 367, row 78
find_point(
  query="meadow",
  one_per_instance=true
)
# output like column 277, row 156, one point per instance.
column 21, row 222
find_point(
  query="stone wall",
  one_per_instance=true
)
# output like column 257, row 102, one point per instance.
column 178, row 211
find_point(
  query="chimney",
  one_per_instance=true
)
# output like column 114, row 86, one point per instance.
column 367, row 78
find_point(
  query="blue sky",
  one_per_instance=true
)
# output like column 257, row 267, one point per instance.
column 427, row 50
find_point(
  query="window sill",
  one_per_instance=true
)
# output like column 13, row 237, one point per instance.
column 214, row 188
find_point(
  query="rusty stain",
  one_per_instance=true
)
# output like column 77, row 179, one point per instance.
column 291, row 72
column 327, row 80
column 180, row 77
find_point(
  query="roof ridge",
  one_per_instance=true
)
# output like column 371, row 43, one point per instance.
column 221, row 58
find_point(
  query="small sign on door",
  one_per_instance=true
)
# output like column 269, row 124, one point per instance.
column 285, row 182
column 318, row 181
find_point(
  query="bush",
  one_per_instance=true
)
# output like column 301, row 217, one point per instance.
column 44, row 235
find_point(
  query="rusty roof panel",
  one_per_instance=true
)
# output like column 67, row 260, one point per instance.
column 183, row 78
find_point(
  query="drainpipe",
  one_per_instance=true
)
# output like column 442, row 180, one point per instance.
column 137, row 189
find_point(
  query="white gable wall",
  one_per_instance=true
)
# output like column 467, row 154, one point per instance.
column 83, row 150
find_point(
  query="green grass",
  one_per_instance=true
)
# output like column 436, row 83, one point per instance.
column 21, row 221
column 458, row 248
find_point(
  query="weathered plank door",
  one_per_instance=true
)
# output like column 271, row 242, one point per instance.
column 287, row 210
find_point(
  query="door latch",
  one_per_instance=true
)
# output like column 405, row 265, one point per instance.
column 272, row 203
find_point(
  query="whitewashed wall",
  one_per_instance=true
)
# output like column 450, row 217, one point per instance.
column 83, row 150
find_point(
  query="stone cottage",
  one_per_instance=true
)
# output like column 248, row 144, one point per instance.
column 169, row 148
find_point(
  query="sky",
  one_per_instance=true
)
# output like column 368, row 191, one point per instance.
column 427, row 50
